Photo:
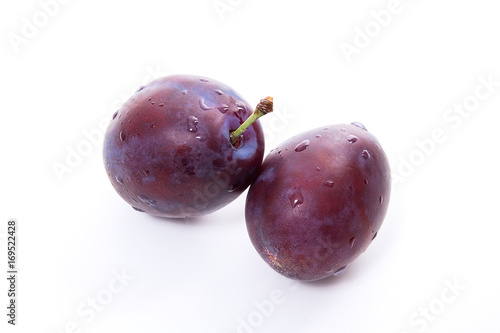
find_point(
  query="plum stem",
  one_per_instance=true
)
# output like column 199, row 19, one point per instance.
column 264, row 107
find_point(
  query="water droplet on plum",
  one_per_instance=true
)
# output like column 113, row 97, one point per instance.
column 192, row 124
column 161, row 104
column 241, row 108
column 318, row 135
column 204, row 80
column 365, row 154
column 351, row 242
column 302, row 146
column 295, row 196
column 115, row 114
column 138, row 209
column 184, row 92
column 381, row 199
column 204, row 106
column 233, row 188
column 360, row 125
column 340, row 271
column 328, row 183
column 223, row 108
column 119, row 180
column 122, row 136
column 218, row 92
column 375, row 235
column 146, row 200
column 140, row 89
column 352, row 138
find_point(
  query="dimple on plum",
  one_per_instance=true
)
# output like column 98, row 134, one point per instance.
column 319, row 201
column 168, row 152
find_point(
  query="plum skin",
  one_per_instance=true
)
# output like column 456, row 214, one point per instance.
column 167, row 150
column 318, row 201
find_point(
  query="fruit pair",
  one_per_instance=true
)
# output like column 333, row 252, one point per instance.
column 175, row 149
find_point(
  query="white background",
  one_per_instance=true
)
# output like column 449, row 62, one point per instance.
column 75, row 233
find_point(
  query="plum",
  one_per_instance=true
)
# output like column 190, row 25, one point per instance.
column 168, row 152
column 319, row 201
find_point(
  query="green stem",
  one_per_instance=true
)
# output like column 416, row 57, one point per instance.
column 264, row 107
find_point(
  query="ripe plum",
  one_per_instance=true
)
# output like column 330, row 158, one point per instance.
column 168, row 151
column 319, row 201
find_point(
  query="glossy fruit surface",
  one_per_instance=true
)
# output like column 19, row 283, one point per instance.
column 167, row 150
column 318, row 201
